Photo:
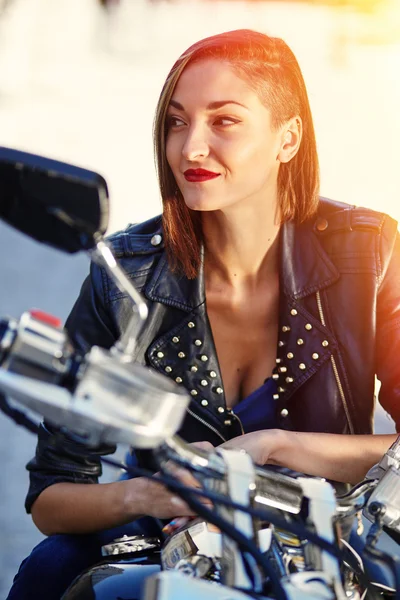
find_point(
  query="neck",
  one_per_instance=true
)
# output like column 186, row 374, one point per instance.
column 241, row 247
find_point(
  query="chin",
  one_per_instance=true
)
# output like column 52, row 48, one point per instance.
column 201, row 205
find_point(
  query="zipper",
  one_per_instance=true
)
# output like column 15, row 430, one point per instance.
column 238, row 419
column 206, row 424
column 335, row 369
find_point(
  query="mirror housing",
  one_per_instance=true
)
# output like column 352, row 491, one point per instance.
column 66, row 207
column 56, row 203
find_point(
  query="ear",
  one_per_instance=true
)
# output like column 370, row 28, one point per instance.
column 292, row 133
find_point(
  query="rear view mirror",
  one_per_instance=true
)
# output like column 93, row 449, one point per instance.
column 53, row 202
column 65, row 207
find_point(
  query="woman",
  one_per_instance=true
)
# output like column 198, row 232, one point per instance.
column 274, row 308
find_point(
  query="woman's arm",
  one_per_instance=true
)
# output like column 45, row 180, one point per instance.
column 67, row 507
column 86, row 508
column 345, row 458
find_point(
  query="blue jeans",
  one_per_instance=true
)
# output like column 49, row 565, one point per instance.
column 54, row 563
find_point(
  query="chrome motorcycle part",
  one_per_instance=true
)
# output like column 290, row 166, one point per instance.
column 113, row 402
column 283, row 560
column 273, row 488
column 35, row 347
column 321, row 513
column 196, row 566
column 52, row 402
column 277, row 490
column 103, row 255
column 391, row 458
column 200, row 461
column 195, row 537
column 131, row 544
column 292, row 550
column 264, row 536
column 172, row 585
column 127, row 402
column 311, row 585
column 240, row 478
column 386, row 496
column 352, row 502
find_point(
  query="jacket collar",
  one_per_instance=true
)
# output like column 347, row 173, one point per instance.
column 305, row 266
column 305, row 269
column 173, row 289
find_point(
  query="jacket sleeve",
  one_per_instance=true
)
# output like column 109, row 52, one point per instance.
column 60, row 458
column 388, row 321
column 89, row 322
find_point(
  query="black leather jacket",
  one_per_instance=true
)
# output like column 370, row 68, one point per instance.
column 339, row 327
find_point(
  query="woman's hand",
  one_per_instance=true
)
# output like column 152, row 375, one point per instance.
column 157, row 501
column 260, row 445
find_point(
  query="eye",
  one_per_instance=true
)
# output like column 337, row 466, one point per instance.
column 225, row 121
column 174, row 122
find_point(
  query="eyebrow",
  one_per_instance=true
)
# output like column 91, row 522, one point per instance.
column 211, row 106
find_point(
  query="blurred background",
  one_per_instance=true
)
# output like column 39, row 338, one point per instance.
column 79, row 81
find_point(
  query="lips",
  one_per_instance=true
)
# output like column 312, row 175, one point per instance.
column 198, row 175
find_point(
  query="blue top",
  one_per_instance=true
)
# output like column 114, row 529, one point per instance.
column 257, row 411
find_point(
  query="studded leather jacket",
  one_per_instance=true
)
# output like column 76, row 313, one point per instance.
column 339, row 327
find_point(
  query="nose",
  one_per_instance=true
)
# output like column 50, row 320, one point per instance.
column 196, row 144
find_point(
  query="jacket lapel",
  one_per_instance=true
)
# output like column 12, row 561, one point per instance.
column 304, row 342
column 173, row 289
column 186, row 353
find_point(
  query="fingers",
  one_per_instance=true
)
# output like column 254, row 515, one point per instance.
column 166, row 504
column 169, row 506
column 190, row 481
column 179, row 506
column 176, row 524
column 185, row 477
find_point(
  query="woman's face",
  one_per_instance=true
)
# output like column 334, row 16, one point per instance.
column 221, row 146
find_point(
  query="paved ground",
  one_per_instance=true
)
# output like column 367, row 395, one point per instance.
column 82, row 87
column 31, row 275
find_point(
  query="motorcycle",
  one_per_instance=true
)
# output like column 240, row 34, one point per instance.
column 272, row 533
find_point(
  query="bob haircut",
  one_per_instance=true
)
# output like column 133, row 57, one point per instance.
column 270, row 68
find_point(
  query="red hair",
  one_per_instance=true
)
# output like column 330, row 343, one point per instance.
column 271, row 69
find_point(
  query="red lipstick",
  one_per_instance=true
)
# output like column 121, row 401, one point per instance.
column 198, row 175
